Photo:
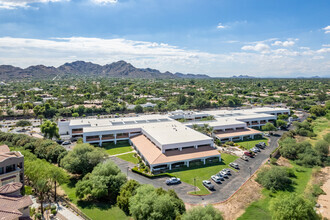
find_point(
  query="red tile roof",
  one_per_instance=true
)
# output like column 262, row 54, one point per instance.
column 9, row 206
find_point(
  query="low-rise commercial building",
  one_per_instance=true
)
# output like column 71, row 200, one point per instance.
column 163, row 142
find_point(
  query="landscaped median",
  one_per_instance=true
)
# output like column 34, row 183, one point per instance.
column 119, row 148
column 251, row 143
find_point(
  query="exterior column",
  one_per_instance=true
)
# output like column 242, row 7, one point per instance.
column 204, row 161
column 84, row 139
column 115, row 138
column 100, row 144
column 219, row 158
column 231, row 139
column 241, row 138
column 151, row 168
column 196, row 146
column 187, row 163
column 180, row 148
column 170, row 166
column 234, row 129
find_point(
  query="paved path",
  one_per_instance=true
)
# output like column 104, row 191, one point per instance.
column 115, row 155
column 222, row 191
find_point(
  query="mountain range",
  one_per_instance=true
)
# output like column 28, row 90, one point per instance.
column 120, row 69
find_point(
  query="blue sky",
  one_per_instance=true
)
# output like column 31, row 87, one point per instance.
column 217, row 37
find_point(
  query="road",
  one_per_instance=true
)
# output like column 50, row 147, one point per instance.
column 222, row 191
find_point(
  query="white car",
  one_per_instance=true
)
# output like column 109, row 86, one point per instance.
column 224, row 174
column 227, row 171
column 173, row 180
column 216, row 178
column 234, row 165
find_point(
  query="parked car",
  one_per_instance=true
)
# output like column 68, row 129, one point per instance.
column 247, row 153
column 257, row 148
column 227, row 171
column 173, row 180
column 220, row 176
column 262, row 144
column 224, row 174
column 234, row 165
column 254, row 150
column 243, row 157
column 208, row 184
column 267, row 135
column 59, row 141
column 216, row 178
column 66, row 143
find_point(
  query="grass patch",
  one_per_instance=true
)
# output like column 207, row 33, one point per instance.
column 28, row 190
column 321, row 126
column 187, row 174
column 251, row 143
column 94, row 210
column 260, row 209
column 129, row 157
column 119, row 148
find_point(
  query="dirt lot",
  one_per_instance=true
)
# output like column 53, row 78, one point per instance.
column 324, row 200
column 235, row 206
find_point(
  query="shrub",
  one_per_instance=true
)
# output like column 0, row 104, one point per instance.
column 274, row 178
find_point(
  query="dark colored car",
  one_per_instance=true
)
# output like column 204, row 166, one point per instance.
column 247, row 153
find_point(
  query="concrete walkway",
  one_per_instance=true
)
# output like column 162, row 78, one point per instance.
column 115, row 155
column 67, row 213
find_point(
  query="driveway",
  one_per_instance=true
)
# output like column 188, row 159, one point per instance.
column 222, row 191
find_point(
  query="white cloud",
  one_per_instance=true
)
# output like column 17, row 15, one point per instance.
column 327, row 29
column 103, row 2
column 13, row 4
column 282, row 62
column 283, row 43
column 259, row 47
column 221, row 26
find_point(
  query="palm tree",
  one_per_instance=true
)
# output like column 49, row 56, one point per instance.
column 57, row 175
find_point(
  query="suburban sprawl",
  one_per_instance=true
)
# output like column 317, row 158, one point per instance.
column 164, row 149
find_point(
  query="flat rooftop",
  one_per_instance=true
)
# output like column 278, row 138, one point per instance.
column 119, row 121
column 237, row 133
column 154, row 155
column 173, row 132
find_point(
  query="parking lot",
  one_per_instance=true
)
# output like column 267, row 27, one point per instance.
column 221, row 191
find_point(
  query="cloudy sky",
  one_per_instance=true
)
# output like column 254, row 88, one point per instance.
column 270, row 38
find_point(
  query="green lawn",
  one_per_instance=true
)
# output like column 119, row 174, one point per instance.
column 129, row 157
column 321, row 126
column 251, row 143
column 119, row 148
column 259, row 209
column 94, row 210
column 188, row 174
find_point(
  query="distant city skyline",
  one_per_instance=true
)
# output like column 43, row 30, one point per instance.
column 215, row 37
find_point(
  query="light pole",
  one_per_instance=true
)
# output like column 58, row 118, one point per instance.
column 195, row 184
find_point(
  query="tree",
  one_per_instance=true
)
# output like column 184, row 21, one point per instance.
column 76, row 114
column 49, row 129
column 292, row 207
column 151, row 203
column 57, row 176
column 322, row 148
column 318, row 110
column 281, row 123
column 126, row 192
column 138, row 109
column 274, row 178
column 327, row 137
column 82, row 159
column 269, row 127
column 103, row 183
column 202, row 213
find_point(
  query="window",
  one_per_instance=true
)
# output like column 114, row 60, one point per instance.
column 2, row 170
column 10, row 168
